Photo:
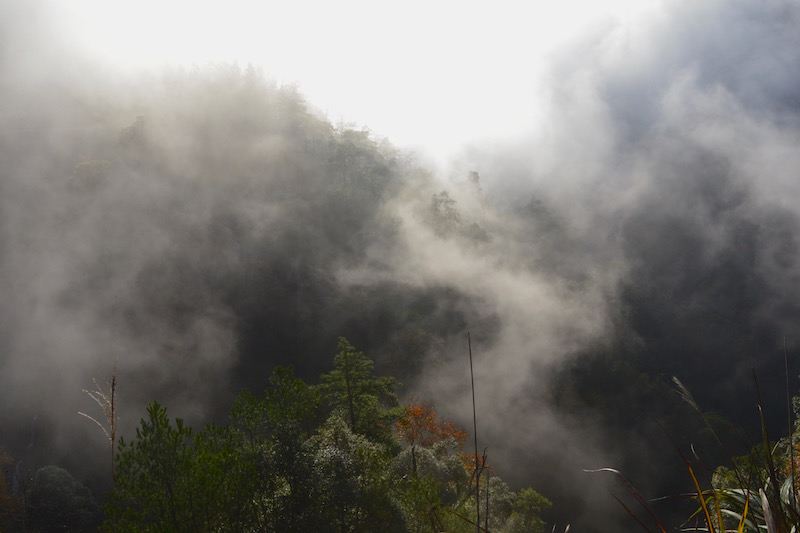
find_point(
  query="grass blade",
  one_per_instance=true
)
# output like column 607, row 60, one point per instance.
column 769, row 520
column 740, row 529
column 631, row 514
column 635, row 493
column 700, row 497
column 773, row 472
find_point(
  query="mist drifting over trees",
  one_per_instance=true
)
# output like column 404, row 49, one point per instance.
column 199, row 226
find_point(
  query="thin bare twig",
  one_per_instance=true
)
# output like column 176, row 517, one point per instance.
column 107, row 400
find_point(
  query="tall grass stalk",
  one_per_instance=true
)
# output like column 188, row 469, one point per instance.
column 639, row 498
column 475, row 436
column 758, row 502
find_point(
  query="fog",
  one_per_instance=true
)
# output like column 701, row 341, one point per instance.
column 195, row 226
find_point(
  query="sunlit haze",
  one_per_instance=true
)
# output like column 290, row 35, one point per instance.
column 427, row 75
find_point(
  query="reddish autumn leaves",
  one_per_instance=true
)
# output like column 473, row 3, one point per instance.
column 420, row 425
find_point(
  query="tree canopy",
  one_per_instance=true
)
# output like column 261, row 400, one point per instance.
column 333, row 457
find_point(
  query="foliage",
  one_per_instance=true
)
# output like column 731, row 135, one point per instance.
column 279, row 465
column 368, row 403
column 292, row 405
column 47, row 500
column 58, row 502
column 166, row 478
column 756, row 493
column 353, row 478
column 445, row 217
column 526, row 509
column 437, row 486
column 292, row 409
column 420, row 424
column 359, row 169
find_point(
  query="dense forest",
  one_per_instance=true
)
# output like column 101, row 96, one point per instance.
column 342, row 455
column 205, row 240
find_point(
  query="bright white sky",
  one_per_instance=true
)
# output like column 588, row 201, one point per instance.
column 430, row 74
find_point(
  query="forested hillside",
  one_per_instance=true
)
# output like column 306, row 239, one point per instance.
column 197, row 234
column 198, row 231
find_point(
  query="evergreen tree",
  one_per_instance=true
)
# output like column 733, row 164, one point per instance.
column 166, row 479
column 369, row 404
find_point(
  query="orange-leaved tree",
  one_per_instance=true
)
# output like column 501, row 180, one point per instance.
column 419, row 425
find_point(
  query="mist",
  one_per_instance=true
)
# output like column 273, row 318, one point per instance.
column 669, row 149
column 194, row 227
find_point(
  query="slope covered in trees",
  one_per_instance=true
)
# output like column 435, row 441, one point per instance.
column 204, row 227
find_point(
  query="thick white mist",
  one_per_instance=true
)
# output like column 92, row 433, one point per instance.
column 429, row 76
